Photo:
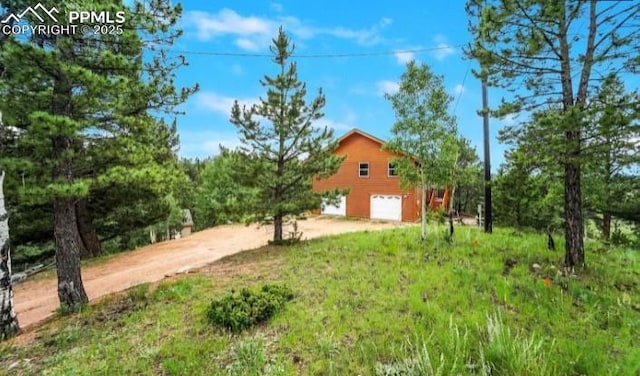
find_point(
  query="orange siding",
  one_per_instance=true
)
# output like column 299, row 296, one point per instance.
column 360, row 148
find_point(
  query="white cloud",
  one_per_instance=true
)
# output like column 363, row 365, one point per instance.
column 443, row 48
column 247, row 44
column 221, row 104
column 358, row 90
column 387, row 87
column 335, row 125
column 203, row 144
column 365, row 37
column 237, row 70
column 509, row 120
column 227, row 21
column 253, row 33
column 404, row 57
column 443, row 51
column 458, row 89
column 385, row 21
column 350, row 117
column 228, row 142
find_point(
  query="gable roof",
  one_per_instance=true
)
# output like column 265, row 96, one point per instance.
column 370, row 137
column 362, row 133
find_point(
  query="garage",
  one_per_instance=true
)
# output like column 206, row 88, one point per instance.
column 340, row 209
column 386, row 207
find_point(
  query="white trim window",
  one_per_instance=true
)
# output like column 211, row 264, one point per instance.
column 363, row 169
column 392, row 170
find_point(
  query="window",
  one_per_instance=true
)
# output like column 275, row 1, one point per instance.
column 392, row 171
column 363, row 169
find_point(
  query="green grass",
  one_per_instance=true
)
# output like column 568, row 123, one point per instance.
column 369, row 303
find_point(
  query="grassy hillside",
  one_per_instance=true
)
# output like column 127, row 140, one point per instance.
column 377, row 303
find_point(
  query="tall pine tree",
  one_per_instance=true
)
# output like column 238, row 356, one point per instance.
column 78, row 93
column 612, row 142
column 552, row 52
column 283, row 150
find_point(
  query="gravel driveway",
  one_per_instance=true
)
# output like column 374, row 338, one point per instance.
column 36, row 300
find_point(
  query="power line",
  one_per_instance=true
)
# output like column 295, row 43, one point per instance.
column 464, row 79
column 317, row 56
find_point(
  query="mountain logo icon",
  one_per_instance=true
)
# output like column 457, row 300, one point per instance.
column 39, row 11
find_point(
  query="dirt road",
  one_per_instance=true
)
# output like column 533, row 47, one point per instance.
column 36, row 300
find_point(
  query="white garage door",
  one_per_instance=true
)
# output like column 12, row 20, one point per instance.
column 340, row 209
column 386, row 207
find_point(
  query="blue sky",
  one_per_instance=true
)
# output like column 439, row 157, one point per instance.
column 354, row 86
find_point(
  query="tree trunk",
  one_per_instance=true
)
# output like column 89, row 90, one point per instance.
column 574, row 245
column 451, row 198
column 9, row 326
column 277, row 228
column 91, row 243
column 551, row 244
column 65, row 231
column 68, row 244
column 606, row 226
column 423, row 213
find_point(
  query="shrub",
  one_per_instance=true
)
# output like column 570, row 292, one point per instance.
column 439, row 216
column 25, row 255
column 619, row 238
column 237, row 312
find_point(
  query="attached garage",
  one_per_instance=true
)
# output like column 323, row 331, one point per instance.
column 387, row 207
column 340, row 209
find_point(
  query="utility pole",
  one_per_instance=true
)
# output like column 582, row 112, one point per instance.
column 488, row 228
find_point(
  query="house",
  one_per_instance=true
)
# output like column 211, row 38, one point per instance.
column 373, row 183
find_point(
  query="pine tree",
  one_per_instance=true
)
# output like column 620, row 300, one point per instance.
column 551, row 52
column 220, row 198
column 78, row 94
column 469, row 181
column 282, row 148
column 612, row 143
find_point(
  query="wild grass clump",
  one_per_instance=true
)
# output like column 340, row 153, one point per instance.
column 494, row 351
column 238, row 312
column 504, row 353
column 250, row 358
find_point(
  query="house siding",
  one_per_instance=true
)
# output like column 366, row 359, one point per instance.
column 359, row 148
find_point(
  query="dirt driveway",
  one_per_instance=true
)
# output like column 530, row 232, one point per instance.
column 36, row 300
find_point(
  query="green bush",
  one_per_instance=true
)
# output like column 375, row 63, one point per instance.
column 25, row 255
column 237, row 312
column 439, row 216
column 619, row 238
